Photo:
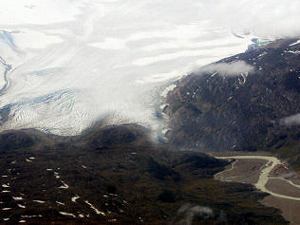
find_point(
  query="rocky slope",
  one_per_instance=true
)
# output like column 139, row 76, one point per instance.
column 116, row 175
column 246, row 102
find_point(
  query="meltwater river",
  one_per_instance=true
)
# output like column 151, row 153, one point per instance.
column 264, row 177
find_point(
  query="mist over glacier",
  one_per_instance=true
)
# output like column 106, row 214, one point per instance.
column 67, row 63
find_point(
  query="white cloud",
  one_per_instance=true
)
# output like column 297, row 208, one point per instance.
column 291, row 120
column 229, row 69
column 190, row 212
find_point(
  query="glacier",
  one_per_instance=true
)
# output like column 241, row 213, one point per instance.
column 67, row 63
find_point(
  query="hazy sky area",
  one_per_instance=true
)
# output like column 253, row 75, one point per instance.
column 74, row 61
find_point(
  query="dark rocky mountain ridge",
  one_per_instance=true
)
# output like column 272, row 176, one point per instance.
column 244, row 111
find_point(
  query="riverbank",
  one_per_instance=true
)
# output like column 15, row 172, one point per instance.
column 267, row 174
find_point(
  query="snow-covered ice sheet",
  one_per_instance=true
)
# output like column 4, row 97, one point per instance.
column 74, row 62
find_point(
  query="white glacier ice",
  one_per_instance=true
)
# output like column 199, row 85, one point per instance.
column 73, row 62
